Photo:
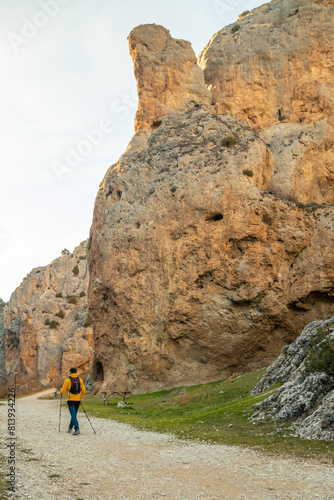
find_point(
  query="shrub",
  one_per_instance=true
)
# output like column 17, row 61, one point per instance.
column 65, row 252
column 235, row 28
column 230, row 141
column 71, row 299
column 82, row 294
column 321, row 358
column 247, row 172
column 53, row 325
column 47, row 322
column 59, row 295
column 320, row 354
column 75, row 270
column 60, row 314
column 83, row 257
column 88, row 321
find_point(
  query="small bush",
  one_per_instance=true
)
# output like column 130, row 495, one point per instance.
column 47, row 322
column 247, row 172
column 59, row 295
column 53, row 325
column 71, row 299
column 235, row 28
column 88, row 320
column 60, row 314
column 65, row 252
column 230, row 141
column 82, row 294
column 83, row 257
column 75, row 270
column 320, row 354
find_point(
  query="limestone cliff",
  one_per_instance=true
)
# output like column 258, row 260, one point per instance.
column 167, row 74
column 197, row 269
column 47, row 328
column 274, row 68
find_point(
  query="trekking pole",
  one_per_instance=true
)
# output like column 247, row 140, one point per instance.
column 61, row 402
column 88, row 418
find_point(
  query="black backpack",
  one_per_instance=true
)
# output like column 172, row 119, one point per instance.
column 75, row 385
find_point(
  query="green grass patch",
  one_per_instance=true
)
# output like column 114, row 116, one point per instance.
column 217, row 413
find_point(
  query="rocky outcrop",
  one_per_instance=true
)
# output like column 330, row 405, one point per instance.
column 274, row 68
column 196, row 271
column 47, row 327
column 167, row 74
column 206, row 256
column 307, row 396
column 276, row 63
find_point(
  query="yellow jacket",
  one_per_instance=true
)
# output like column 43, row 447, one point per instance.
column 67, row 387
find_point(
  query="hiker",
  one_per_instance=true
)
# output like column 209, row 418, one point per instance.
column 76, row 390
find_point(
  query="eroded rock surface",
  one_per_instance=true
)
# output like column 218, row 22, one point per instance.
column 274, row 68
column 307, row 395
column 211, row 244
column 276, row 63
column 46, row 323
column 196, row 271
column 168, row 76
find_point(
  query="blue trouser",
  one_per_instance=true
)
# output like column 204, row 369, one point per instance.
column 74, row 421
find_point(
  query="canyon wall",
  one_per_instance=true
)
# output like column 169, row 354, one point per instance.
column 205, row 258
column 46, row 324
column 274, row 68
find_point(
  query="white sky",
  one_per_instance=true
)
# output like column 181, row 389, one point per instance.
column 65, row 69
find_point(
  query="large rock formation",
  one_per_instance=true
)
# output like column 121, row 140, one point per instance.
column 274, row 63
column 47, row 328
column 196, row 269
column 307, row 369
column 274, row 68
column 167, row 74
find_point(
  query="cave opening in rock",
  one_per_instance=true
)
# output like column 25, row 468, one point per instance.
column 98, row 373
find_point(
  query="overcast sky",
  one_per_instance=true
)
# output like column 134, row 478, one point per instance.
column 68, row 99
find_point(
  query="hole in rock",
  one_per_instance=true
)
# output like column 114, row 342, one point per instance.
column 214, row 218
column 156, row 124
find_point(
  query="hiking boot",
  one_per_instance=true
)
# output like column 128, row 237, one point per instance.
column 69, row 430
column 75, row 433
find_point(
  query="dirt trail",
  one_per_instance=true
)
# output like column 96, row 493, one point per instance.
column 120, row 462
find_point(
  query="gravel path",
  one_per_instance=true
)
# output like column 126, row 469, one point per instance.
column 120, row 462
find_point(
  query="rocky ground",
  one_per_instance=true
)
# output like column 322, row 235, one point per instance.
column 120, row 462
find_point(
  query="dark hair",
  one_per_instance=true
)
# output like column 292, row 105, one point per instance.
column 73, row 370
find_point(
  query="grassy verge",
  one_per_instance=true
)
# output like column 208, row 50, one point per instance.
column 217, row 412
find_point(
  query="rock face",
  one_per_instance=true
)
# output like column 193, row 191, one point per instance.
column 205, row 256
column 274, row 68
column 167, row 74
column 307, row 395
column 46, row 323
column 274, row 63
